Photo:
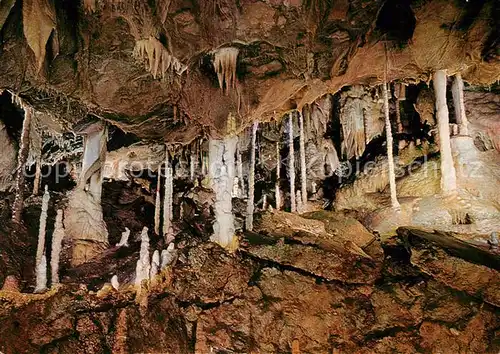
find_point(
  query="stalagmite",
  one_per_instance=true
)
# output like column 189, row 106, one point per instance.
column 192, row 165
column 124, row 239
column 277, row 191
column 448, row 174
column 167, row 201
column 225, row 66
column 158, row 203
column 168, row 256
column 390, row 157
column 251, row 180
column 17, row 208
column 114, row 282
column 84, row 220
column 457, row 90
column 41, row 275
column 221, row 173
column 303, row 170
column 143, row 264
column 399, row 93
column 57, row 238
column 264, row 202
column 241, row 179
column 291, row 163
column 40, row 250
column 155, row 266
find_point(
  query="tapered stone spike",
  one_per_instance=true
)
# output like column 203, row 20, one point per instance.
column 291, row 163
column 448, row 174
column 17, row 208
column 124, row 239
column 158, row 203
column 41, row 275
column 251, row 180
column 390, row 157
column 114, row 282
column 43, row 226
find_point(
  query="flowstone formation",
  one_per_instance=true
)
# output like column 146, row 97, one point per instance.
column 249, row 176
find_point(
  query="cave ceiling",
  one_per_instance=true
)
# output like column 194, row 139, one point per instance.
column 148, row 66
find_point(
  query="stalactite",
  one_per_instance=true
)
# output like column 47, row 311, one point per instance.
column 457, row 89
column 158, row 61
column 251, row 180
column 448, row 174
column 40, row 250
column 303, row 170
column 352, row 117
column 225, row 66
column 38, row 173
column 264, row 202
column 155, row 266
column 277, row 191
column 143, row 264
column 114, row 282
column 17, row 208
column 57, row 238
column 124, row 239
column 192, row 165
column 390, row 157
column 168, row 256
column 221, row 173
column 399, row 90
column 291, row 163
column 158, row 203
column 41, row 275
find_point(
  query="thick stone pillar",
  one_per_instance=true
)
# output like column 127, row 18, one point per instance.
column 448, row 175
column 457, row 90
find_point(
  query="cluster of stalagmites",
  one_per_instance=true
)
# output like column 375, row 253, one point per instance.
column 222, row 169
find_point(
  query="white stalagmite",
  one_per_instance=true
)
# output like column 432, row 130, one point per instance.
column 124, row 239
column 277, row 191
column 114, row 282
column 168, row 256
column 251, row 180
column 390, row 157
column 57, row 238
column 225, row 66
column 158, row 203
column 448, row 174
column 264, row 202
column 457, row 90
column 155, row 266
column 221, row 173
column 241, row 179
column 143, row 264
column 167, row 201
column 192, row 164
column 40, row 250
column 291, row 163
column 22, row 156
column 41, row 275
column 303, row 169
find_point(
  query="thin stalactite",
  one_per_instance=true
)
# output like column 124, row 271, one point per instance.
column 251, row 180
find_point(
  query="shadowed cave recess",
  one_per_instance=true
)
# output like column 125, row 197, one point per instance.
column 252, row 176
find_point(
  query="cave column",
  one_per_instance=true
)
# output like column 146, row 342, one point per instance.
column 251, row 180
column 303, row 169
column 221, row 176
column 291, row 163
column 457, row 90
column 390, row 157
column 84, row 220
column 168, row 199
column 17, row 208
column 277, row 191
column 448, row 174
